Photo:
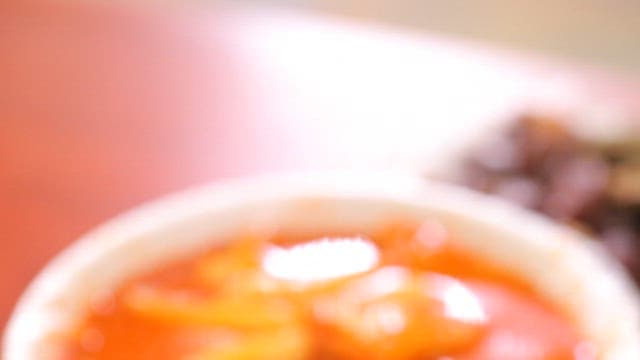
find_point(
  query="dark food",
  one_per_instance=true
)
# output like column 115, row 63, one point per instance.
column 540, row 164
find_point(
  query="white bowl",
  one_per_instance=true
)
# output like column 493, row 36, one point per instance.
column 570, row 270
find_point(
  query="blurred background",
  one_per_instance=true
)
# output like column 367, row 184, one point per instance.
column 104, row 105
column 599, row 32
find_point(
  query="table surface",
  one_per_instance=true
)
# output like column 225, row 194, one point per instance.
column 104, row 107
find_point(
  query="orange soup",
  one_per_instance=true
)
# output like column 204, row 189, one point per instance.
column 404, row 291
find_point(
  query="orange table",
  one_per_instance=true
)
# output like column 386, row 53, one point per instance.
column 102, row 107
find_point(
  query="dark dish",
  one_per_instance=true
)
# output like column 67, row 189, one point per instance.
column 591, row 183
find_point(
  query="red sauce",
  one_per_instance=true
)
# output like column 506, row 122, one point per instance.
column 403, row 292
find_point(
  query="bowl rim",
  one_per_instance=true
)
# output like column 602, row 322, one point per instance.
column 23, row 330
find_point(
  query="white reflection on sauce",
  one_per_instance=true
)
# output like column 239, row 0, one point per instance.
column 460, row 303
column 321, row 260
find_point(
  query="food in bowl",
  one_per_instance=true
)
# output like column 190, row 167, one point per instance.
column 402, row 292
column 309, row 267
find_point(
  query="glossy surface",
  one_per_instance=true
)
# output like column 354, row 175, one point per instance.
column 402, row 292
